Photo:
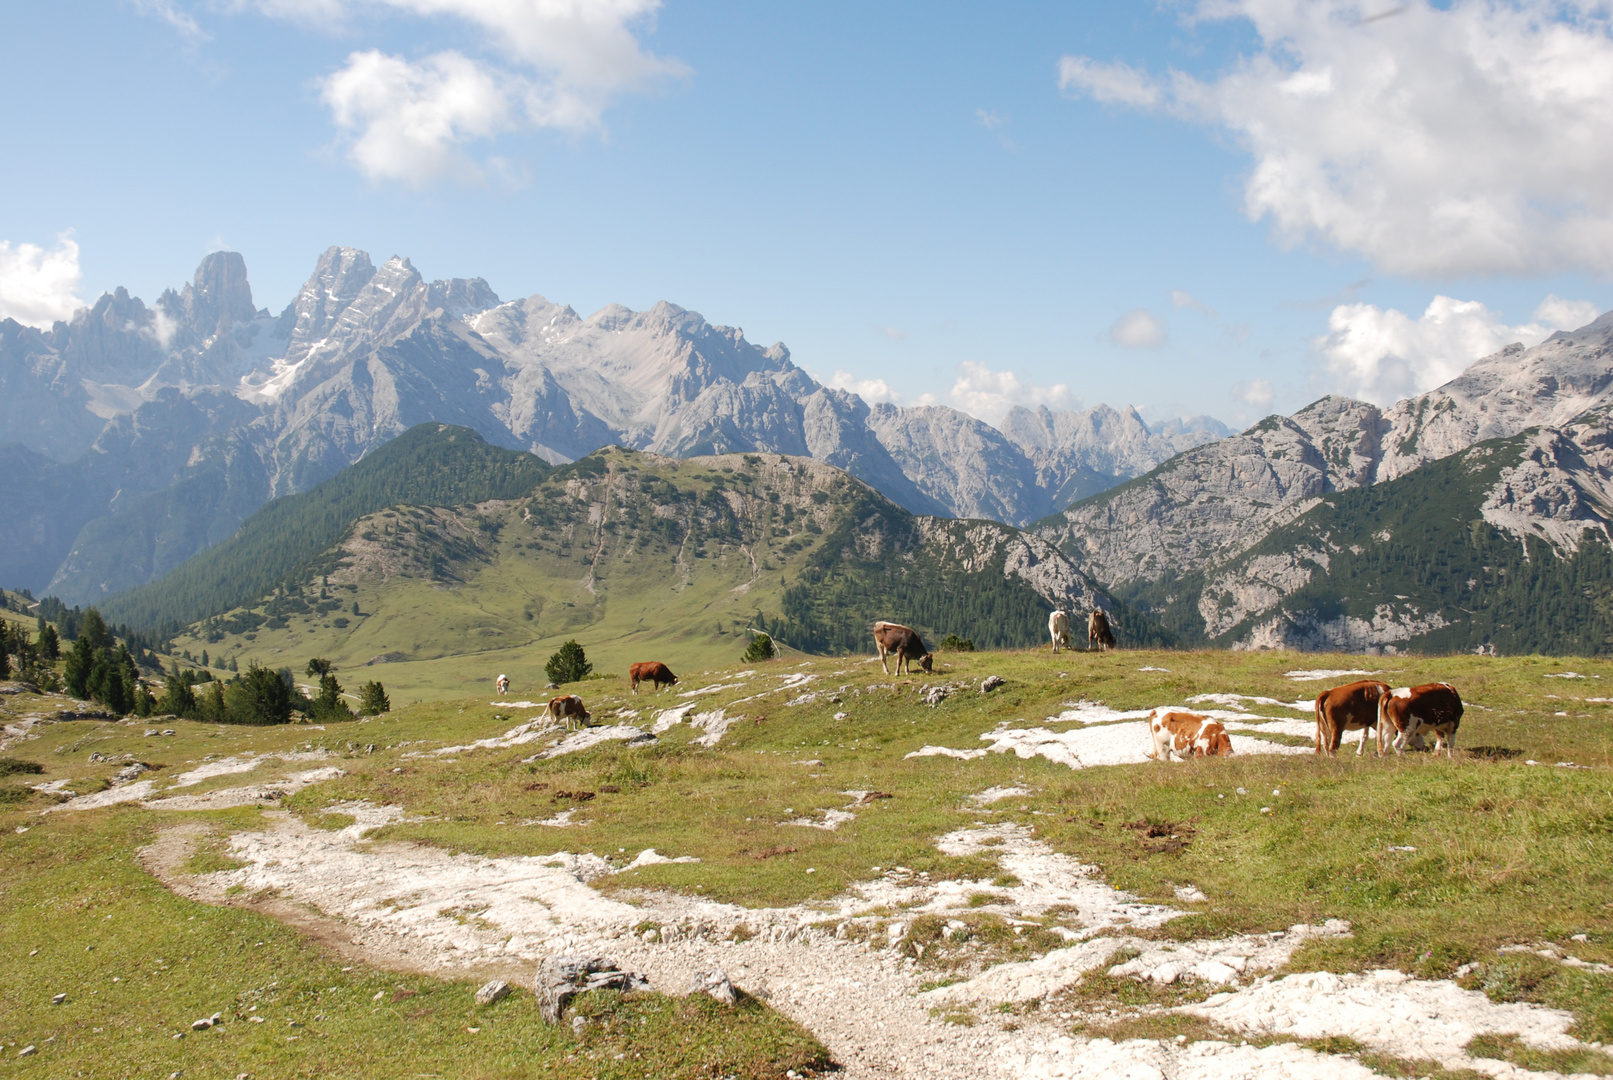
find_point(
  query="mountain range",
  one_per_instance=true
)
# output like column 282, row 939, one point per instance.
column 1489, row 499
column 170, row 423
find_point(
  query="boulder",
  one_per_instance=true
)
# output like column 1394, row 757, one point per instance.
column 496, row 990
column 715, row 984
column 562, row 978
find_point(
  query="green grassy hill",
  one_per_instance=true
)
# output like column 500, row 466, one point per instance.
column 428, row 465
column 638, row 557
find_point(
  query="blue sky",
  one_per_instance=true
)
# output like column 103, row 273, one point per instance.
column 1226, row 207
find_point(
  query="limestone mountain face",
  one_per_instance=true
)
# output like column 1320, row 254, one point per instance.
column 1238, row 542
column 268, row 405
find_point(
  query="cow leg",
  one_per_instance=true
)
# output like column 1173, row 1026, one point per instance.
column 882, row 665
column 1362, row 745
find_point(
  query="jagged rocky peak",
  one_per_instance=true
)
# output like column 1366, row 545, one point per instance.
column 462, row 298
column 217, row 296
column 338, row 278
column 114, row 340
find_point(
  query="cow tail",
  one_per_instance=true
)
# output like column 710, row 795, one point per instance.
column 1319, row 698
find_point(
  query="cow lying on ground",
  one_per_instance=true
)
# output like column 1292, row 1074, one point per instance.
column 652, row 671
column 1187, row 735
column 902, row 642
column 503, row 684
column 1351, row 707
column 1099, row 636
column 1058, row 628
column 1403, row 715
column 563, row 710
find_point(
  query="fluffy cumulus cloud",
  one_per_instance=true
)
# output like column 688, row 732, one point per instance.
column 1382, row 355
column 987, row 394
column 549, row 64
column 1255, row 392
column 1474, row 137
column 873, row 391
column 37, row 287
column 1138, row 329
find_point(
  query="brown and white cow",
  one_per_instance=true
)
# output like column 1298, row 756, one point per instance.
column 1099, row 636
column 1058, row 628
column 1187, row 735
column 564, row 710
column 902, row 642
column 1409, row 710
column 652, row 671
column 503, row 684
column 1351, row 707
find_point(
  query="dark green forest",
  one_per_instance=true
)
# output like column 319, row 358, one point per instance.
column 428, row 465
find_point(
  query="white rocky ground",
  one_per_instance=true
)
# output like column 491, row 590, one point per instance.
column 835, row 968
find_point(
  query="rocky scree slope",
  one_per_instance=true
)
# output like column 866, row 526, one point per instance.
column 197, row 409
column 1238, row 542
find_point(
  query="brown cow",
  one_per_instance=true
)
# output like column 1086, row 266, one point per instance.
column 1187, row 735
column 568, row 708
column 1408, row 710
column 651, row 671
column 1352, row 707
column 903, row 642
column 1099, row 636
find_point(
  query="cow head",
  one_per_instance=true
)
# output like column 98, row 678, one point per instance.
column 924, row 661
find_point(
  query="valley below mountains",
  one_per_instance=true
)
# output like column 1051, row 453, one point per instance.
column 203, row 463
column 170, row 423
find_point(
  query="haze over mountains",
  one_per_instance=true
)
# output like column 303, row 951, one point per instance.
column 170, row 423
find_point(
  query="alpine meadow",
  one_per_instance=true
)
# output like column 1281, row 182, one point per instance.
column 1115, row 579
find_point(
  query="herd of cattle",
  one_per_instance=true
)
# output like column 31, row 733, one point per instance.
column 1398, row 718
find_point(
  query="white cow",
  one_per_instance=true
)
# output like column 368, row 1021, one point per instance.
column 503, row 684
column 1058, row 628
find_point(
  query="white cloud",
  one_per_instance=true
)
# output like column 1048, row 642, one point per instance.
column 873, row 391
column 990, row 120
column 410, row 121
column 988, row 395
column 1256, row 392
column 1476, row 138
column 175, row 16
column 1382, row 355
column 555, row 64
column 891, row 332
column 37, row 287
column 1180, row 299
column 1138, row 330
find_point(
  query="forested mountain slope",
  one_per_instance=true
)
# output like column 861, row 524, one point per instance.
column 628, row 552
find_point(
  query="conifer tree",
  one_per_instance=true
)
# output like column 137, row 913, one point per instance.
column 50, row 646
column 373, row 700
column 5, row 651
column 259, row 696
column 759, row 649
column 568, row 664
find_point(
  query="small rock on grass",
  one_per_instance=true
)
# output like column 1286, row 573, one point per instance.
column 990, row 683
column 715, row 983
column 28, row 1051
column 562, row 978
column 58, row 999
column 496, row 990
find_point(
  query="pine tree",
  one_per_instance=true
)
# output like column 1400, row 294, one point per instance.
column 232, row 664
column 50, row 646
column 5, row 651
column 205, row 661
column 178, row 698
column 568, row 664
column 759, row 649
column 259, row 696
column 329, row 704
column 373, row 700
column 318, row 668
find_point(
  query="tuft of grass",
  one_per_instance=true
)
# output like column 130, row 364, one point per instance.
column 334, row 822
column 10, row 766
column 1513, row 1049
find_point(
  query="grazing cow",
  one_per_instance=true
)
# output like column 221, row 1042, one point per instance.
column 503, row 684
column 1410, row 709
column 1058, row 628
column 568, row 708
column 1099, row 636
column 652, row 671
column 1351, row 707
column 902, row 642
column 1187, row 735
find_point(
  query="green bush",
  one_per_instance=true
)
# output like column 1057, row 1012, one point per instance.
column 568, row 664
column 954, row 643
column 373, row 700
column 760, row 648
column 259, row 696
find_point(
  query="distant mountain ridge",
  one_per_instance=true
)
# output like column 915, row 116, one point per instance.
column 170, row 423
column 1257, row 540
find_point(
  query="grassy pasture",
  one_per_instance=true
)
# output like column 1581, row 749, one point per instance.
column 1506, row 852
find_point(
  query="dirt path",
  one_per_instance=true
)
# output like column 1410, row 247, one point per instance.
column 415, row 908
